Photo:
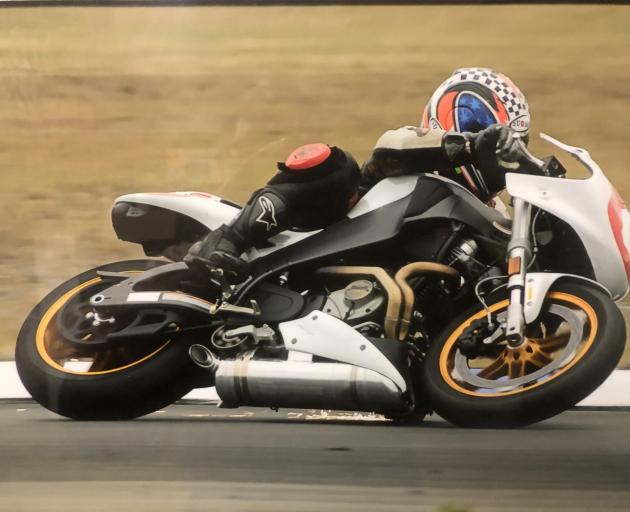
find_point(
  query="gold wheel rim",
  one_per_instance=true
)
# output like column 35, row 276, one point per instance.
column 449, row 349
column 49, row 315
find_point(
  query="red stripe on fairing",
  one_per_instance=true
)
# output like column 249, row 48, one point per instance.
column 502, row 114
column 445, row 109
column 616, row 206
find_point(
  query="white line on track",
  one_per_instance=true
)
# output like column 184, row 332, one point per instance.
column 615, row 392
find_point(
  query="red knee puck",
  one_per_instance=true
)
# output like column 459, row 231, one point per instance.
column 307, row 156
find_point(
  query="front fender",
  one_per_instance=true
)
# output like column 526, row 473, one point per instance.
column 537, row 285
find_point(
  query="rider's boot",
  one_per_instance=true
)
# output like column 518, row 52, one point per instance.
column 264, row 215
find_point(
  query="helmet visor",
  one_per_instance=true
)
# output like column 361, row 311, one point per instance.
column 472, row 114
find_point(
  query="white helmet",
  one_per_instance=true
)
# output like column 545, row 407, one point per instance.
column 470, row 100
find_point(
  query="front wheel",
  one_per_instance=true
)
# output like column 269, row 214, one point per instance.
column 570, row 349
column 65, row 367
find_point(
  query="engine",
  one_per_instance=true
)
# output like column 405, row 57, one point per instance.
column 369, row 299
column 360, row 301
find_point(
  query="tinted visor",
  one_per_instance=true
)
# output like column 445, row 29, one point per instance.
column 472, row 114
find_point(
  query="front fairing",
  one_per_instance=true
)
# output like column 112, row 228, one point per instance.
column 585, row 205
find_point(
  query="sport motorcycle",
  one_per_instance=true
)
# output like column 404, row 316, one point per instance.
column 422, row 299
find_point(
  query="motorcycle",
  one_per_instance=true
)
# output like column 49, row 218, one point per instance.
column 423, row 299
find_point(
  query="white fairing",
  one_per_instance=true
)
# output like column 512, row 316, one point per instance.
column 204, row 208
column 323, row 335
column 583, row 204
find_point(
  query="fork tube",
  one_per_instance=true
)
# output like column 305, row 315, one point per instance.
column 519, row 255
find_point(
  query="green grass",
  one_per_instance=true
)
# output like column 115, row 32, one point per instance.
column 97, row 102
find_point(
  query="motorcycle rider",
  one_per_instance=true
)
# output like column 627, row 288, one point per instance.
column 469, row 132
column 470, row 100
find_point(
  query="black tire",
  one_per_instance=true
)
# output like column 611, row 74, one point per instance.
column 146, row 386
column 546, row 398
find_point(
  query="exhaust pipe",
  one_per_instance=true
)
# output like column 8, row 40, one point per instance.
column 301, row 385
column 401, row 278
column 204, row 358
column 400, row 296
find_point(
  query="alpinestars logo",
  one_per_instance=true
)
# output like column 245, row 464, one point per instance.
column 268, row 214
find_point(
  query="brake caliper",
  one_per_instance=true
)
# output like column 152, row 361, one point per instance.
column 479, row 335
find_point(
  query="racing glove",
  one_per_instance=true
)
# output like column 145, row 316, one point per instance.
column 497, row 148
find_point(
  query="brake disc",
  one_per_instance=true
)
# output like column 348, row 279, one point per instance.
column 576, row 321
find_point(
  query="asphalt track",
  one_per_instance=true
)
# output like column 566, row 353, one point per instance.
column 196, row 457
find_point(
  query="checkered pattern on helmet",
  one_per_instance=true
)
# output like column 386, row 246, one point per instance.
column 514, row 101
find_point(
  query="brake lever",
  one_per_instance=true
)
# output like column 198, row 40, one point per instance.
column 529, row 162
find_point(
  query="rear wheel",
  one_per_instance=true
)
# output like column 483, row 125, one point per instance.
column 64, row 363
column 571, row 348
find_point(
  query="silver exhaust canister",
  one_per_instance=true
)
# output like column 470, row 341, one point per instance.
column 301, row 384
column 304, row 385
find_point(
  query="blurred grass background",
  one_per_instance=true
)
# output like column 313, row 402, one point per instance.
column 98, row 102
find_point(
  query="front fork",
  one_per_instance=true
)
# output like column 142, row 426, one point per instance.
column 519, row 255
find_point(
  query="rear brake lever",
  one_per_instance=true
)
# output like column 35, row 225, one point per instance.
column 217, row 276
